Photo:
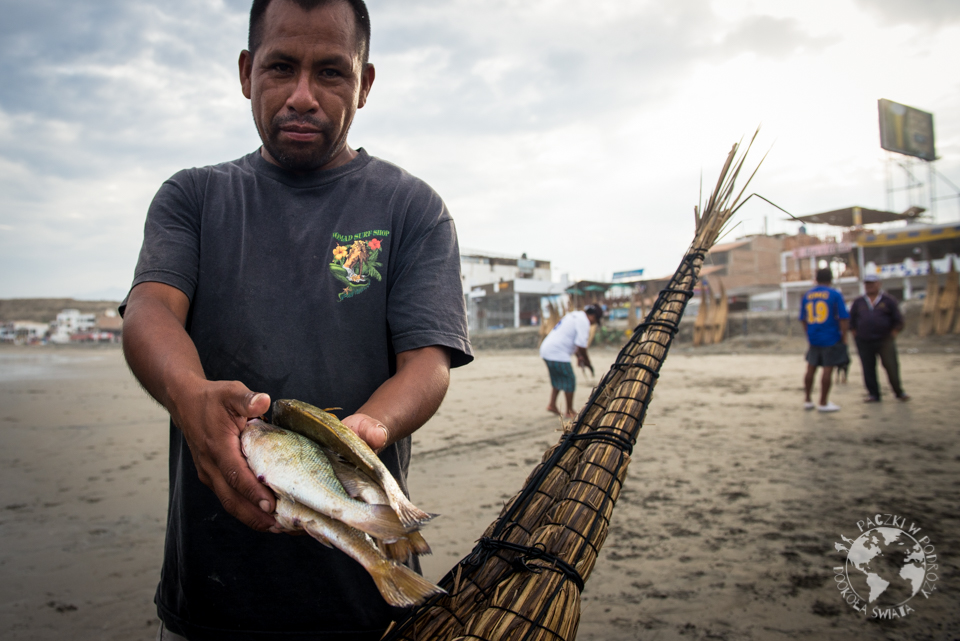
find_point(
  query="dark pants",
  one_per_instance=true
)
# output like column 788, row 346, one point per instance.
column 886, row 349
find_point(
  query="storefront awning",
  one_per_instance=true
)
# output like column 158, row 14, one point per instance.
column 856, row 216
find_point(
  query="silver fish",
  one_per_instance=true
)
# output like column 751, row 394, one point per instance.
column 326, row 429
column 360, row 486
column 296, row 468
column 399, row 585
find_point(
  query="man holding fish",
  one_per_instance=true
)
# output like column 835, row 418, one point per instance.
column 306, row 270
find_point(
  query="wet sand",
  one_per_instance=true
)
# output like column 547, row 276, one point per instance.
column 725, row 529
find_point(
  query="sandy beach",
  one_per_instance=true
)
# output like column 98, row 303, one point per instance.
column 726, row 528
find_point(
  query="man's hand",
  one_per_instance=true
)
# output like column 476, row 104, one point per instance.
column 372, row 431
column 583, row 359
column 211, row 418
column 210, row 414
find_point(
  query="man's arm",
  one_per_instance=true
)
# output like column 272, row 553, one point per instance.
column 211, row 414
column 406, row 400
column 844, row 328
column 854, row 318
column 898, row 322
column 583, row 359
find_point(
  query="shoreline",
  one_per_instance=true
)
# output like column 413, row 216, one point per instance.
column 725, row 529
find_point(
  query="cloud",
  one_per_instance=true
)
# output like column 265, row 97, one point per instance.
column 773, row 37
column 100, row 102
column 94, row 84
column 515, row 67
column 556, row 127
column 927, row 13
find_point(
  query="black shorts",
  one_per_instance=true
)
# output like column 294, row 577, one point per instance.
column 832, row 356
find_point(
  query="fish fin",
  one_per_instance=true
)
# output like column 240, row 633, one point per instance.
column 403, row 549
column 402, row 587
column 400, row 550
column 383, row 524
column 355, row 481
column 351, row 483
column 420, row 545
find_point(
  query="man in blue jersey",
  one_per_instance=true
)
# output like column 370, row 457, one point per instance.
column 824, row 316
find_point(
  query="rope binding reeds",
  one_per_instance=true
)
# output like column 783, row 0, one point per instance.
column 524, row 577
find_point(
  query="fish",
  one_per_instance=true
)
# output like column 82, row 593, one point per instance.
column 360, row 486
column 399, row 585
column 327, row 430
column 296, row 468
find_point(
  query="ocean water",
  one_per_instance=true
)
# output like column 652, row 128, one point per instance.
column 43, row 363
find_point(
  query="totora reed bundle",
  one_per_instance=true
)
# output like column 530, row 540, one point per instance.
column 524, row 578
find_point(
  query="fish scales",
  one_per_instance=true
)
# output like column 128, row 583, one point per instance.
column 295, row 467
column 326, row 429
column 359, row 485
column 399, row 585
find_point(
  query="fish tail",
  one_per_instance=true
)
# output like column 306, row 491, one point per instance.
column 418, row 543
column 410, row 515
column 402, row 587
column 403, row 549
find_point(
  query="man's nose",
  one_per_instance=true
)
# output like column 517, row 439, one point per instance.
column 302, row 99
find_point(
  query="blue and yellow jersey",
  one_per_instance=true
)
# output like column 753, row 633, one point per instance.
column 822, row 308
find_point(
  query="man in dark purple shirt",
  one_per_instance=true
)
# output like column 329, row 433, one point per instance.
column 875, row 321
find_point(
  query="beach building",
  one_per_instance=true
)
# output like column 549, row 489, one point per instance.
column 70, row 322
column 109, row 322
column 749, row 271
column 747, row 268
column 23, row 332
column 505, row 291
column 589, row 292
column 899, row 247
column 903, row 257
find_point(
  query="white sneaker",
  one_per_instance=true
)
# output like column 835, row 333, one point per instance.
column 829, row 407
column 808, row 405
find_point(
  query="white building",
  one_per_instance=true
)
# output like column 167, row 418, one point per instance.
column 505, row 291
column 23, row 331
column 481, row 268
column 71, row 321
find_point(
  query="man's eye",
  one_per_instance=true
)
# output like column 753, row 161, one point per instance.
column 330, row 73
column 282, row 67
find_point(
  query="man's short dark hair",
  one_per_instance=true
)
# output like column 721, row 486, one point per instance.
column 594, row 310
column 824, row 276
column 360, row 14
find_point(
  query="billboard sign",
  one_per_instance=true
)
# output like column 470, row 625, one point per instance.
column 627, row 277
column 906, row 130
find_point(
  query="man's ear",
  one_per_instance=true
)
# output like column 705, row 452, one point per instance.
column 246, row 71
column 367, row 77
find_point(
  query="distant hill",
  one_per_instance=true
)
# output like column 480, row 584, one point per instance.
column 44, row 310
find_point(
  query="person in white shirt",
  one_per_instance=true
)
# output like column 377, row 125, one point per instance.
column 569, row 337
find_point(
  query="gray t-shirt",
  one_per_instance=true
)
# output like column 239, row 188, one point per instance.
column 303, row 287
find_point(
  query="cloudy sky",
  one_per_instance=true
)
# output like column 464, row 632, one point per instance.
column 573, row 130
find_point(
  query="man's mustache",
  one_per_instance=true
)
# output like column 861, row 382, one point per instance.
column 305, row 120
